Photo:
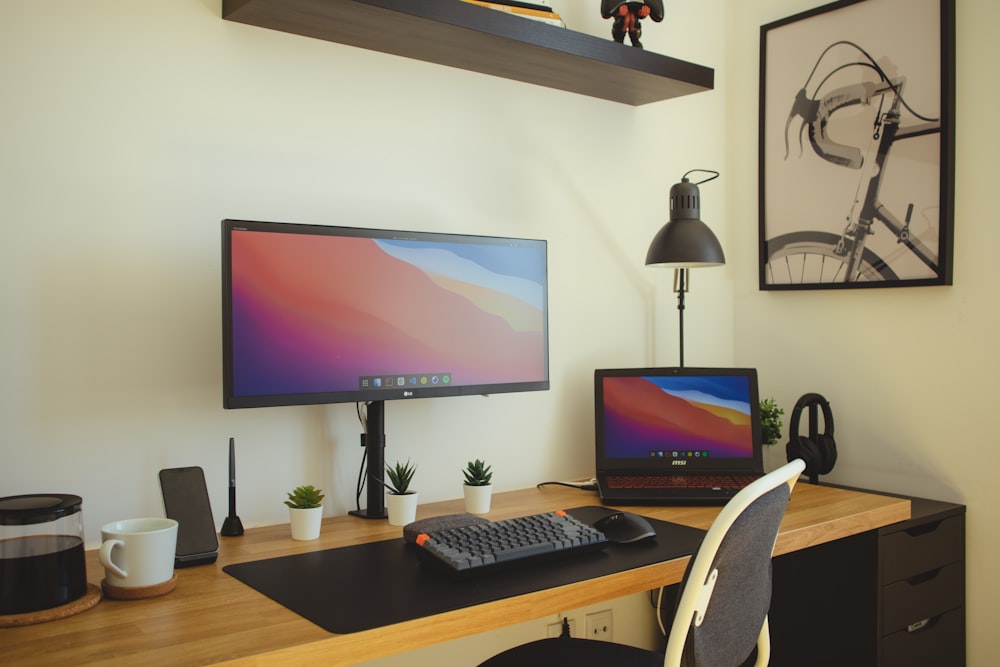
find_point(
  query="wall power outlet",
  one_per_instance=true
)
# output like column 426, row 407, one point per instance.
column 599, row 625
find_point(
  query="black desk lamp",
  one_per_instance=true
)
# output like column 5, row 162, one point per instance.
column 685, row 241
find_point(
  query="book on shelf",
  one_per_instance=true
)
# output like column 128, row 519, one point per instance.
column 540, row 5
column 527, row 10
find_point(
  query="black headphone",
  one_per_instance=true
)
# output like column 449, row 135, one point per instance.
column 818, row 450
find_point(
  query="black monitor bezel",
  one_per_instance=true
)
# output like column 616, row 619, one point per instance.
column 233, row 401
column 623, row 463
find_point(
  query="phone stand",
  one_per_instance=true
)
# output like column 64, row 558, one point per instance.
column 232, row 526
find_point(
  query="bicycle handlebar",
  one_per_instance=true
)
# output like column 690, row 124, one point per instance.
column 816, row 115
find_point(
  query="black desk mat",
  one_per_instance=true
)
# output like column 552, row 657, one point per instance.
column 371, row 585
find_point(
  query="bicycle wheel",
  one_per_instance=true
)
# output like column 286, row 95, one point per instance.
column 808, row 257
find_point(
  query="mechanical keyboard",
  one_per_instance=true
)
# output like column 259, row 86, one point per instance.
column 482, row 546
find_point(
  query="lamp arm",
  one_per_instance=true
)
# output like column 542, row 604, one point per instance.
column 681, row 286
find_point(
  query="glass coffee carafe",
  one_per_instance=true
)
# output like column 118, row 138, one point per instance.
column 42, row 561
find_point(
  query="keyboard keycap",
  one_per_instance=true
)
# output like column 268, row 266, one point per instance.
column 524, row 551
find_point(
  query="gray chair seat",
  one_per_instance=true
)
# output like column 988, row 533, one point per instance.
column 721, row 614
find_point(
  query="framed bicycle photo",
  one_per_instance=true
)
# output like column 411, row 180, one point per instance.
column 856, row 158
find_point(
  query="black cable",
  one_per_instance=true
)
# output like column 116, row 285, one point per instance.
column 705, row 171
column 846, row 66
column 362, row 473
column 875, row 66
column 583, row 486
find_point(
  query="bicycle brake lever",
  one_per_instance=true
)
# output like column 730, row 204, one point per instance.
column 806, row 108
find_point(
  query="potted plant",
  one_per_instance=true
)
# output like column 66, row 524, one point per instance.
column 478, row 488
column 400, row 501
column 770, row 421
column 305, row 510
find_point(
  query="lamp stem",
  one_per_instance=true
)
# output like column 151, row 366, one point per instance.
column 681, row 286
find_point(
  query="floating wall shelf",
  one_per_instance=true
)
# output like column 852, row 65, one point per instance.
column 459, row 34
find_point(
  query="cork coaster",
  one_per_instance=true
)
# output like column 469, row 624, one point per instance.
column 81, row 604
column 139, row 592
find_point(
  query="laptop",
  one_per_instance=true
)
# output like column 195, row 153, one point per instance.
column 676, row 436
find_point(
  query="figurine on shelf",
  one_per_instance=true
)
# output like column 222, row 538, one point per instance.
column 627, row 14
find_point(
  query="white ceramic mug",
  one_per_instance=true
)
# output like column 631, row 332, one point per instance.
column 138, row 552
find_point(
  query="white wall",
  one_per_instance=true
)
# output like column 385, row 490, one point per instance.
column 128, row 130
column 911, row 373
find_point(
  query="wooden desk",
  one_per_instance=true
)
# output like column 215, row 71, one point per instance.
column 213, row 618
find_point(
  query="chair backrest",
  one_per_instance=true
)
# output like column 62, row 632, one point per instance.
column 726, row 592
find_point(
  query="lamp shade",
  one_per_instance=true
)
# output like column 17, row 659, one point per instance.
column 685, row 241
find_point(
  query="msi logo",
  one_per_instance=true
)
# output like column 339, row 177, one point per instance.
column 682, row 462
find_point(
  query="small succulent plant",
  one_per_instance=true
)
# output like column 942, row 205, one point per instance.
column 477, row 473
column 400, row 477
column 305, row 497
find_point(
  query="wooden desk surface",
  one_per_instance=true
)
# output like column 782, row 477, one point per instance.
column 213, row 618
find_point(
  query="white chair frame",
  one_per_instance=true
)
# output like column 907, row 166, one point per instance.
column 695, row 598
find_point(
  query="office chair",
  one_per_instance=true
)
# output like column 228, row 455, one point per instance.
column 731, row 569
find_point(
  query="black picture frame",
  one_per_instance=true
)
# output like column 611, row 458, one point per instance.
column 856, row 153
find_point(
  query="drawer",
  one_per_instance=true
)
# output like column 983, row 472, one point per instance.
column 918, row 549
column 923, row 596
column 938, row 643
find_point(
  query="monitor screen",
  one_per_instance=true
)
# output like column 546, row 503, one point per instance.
column 705, row 415
column 322, row 314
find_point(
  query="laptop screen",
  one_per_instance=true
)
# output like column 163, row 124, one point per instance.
column 691, row 418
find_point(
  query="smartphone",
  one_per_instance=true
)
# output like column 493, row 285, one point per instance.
column 185, row 499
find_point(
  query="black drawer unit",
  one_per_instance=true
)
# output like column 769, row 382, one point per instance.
column 921, row 564
column 891, row 597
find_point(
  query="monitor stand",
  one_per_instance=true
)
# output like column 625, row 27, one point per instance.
column 375, row 454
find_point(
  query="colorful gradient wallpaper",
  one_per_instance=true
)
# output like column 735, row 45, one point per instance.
column 315, row 313
column 703, row 414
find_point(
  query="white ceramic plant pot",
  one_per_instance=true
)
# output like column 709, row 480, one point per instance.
column 306, row 522
column 402, row 508
column 477, row 498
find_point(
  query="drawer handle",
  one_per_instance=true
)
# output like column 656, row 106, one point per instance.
column 926, row 623
column 924, row 577
column 923, row 529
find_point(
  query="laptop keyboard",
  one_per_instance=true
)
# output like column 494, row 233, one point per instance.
column 732, row 482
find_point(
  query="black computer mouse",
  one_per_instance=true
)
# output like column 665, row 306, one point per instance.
column 622, row 527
